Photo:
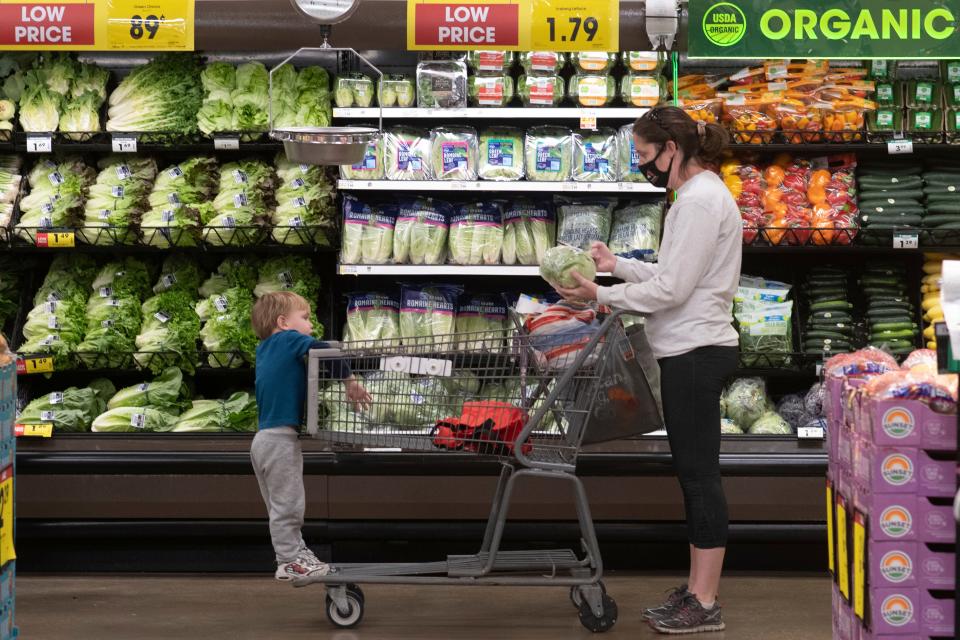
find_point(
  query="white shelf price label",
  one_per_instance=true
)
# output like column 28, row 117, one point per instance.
column 39, row 143
column 906, row 240
column 226, row 144
column 895, row 147
column 588, row 121
column 810, row 433
column 124, row 144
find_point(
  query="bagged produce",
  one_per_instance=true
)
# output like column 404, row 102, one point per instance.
column 367, row 232
column 582, row 222
column 592, row 90
column 543, row 61
column 628, row 168
column 441, row 84
column 454, row 153
column 558, row 263
column 541, row 91
column 353, row 90
column 490, row 91
column 595, row 156
column 501, row 154
column 420, row 235
column 766, row 331
column 476, row 234
column 529, row 229
column 406, row 154
column 372, row 317
column 745, row 400
column 549, row 154
column 397, row 91
column 428, row 315
column 636, row 230
column 371, row 167
column 491, row 61
column 481, row 323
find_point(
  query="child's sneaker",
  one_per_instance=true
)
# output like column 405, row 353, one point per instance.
column 669, row 607
column 690, row 617
column 304, row 566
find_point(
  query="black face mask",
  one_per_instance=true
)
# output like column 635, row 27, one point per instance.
column 654, row 175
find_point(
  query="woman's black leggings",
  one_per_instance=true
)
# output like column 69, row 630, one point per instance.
column 691, row 385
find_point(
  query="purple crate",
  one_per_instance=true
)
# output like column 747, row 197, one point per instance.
column 936, row 615
column 893, row 564
column 895, row 612
column 936, row 569
column 935, row 523
column 893, row 517
column 936, row 478
column 886, row 469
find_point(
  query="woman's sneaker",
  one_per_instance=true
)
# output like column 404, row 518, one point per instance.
column 306, row 565
column 690, row 617
column 669, row 607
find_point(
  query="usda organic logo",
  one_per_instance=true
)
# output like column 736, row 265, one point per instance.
column 724, row 24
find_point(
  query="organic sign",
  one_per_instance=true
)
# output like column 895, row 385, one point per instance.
column 888, row 29
column 143, row 25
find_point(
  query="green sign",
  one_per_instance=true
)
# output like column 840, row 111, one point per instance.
column 843, row 29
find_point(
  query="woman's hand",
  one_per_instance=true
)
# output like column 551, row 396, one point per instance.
column 603, row 257
column 357, row 394
column 585, row 289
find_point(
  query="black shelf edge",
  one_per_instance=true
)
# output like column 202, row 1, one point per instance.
column 373, row 464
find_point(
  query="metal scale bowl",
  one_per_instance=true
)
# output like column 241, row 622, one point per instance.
column 325, row 145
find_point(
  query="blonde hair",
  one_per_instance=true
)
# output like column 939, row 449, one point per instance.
column 271, row 306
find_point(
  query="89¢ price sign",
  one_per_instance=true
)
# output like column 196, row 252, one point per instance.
column 150, row 24
column 575, row 25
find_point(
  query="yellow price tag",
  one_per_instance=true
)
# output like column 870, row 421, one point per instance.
column 42, row 430
column 843, row 563
column 859, row 564
column 150, row 24
column 7, row 552
column 34, row 365
column 831, row 541
column 57, row 239
column 575, row 25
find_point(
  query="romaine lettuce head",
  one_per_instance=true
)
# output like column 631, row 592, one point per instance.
column 481, row 324
column 529, row 229
column 133, row 420
column 476, row 234
column 428, row 315
column 368, row 232
column 70, row 410
column 371, row 167
column 420, row 235
column 559, row 262
column 163, row 392
column 372, row 317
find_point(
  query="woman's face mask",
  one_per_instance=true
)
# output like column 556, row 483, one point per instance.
column 655, row 175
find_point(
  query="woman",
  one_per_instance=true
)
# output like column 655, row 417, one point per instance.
column 687, row 298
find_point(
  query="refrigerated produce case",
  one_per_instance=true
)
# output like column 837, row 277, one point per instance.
column 166, row 486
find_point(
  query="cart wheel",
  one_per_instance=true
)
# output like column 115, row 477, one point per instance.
column 605, row 622
column 353, row 615
column 576, row 597
column 356, row 590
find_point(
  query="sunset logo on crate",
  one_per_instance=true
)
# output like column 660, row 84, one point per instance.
column 897, row 610
column 898, row 422
column 897, row 469
column 895, row 521
column 896, row 566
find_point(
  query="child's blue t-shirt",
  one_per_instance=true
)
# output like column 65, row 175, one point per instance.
column 281, row 377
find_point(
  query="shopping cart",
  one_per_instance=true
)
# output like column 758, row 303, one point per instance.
column 416, row 385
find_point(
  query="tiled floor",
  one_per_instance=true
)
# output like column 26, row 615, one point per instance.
column 756, row 607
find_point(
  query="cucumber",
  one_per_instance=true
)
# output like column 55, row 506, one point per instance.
column 827, row 306
column 893, row 335
column 947, row 226
column 940, row 218
column 899, row 219
column 827, row 294
column 899, row 299
column 880, row 281
column 889, row 307
column 820, row 334
column 948, row 177
column 943, row 207
column 883, row 291
column 894, row 315
column 835, row 316
column 892, row 326
column 832, row 345
column 905, row 182
column 883, row 205
column 898, row 195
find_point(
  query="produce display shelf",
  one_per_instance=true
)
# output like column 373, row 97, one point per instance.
column 504, row 113
column 489, row 185
column 145, row 143
column 439, row 270
column 139, row 250
column 828, row 148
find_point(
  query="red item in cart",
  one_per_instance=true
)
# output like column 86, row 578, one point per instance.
column 484, row 426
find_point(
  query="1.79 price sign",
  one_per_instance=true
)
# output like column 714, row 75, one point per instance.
column 575, row 25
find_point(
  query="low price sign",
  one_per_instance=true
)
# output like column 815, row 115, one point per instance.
column 513, row 25
column 145, row 25
column 864, row 29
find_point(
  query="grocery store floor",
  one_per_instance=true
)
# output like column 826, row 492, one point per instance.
column 767, row 607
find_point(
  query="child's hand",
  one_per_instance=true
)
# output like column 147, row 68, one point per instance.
column 357, row 394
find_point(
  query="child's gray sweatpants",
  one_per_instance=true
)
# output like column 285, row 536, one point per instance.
column 278, row 463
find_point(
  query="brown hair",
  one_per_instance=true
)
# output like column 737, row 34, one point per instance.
column 270, row 307
column 705, row 142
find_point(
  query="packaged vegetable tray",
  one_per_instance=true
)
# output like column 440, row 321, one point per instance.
column 397, row 91
column 498, row 62
column 490, row 91
column 442, row 84
column 884, row 124
column 952, row 93
column 593, row 62
column 549, row 62
column 641, row 90
column 889, row 94
column 953, row 126
column 592, row 90
column 924, row 93
column 541, row 90
column 925, row 126
column 643, row 61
